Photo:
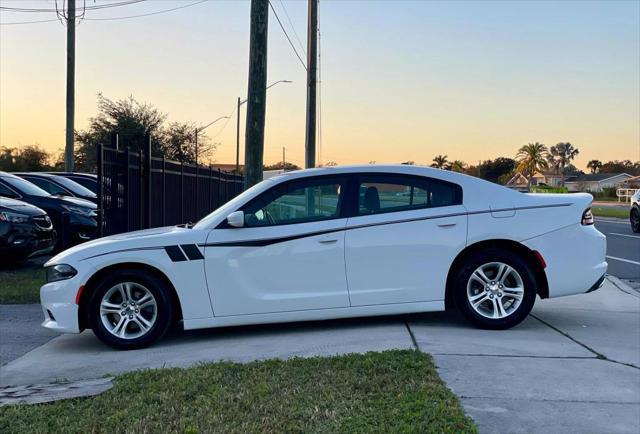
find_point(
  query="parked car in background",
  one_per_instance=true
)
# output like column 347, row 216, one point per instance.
column 58, row 185
column 87, row 180
column 25, row 231
column 634, row 214
column 73, row 219
column 406, row 239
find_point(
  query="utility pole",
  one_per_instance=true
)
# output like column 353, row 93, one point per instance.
column 284, row 160
column 238, row 137
column 71, row 73
column 257, row 92
column 312, row 72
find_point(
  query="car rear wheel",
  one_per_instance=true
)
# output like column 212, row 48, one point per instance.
column 635, row 220
column 495, row 289
column 130, row 309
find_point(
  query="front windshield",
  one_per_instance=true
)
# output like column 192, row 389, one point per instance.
column 231, row 205
column 24, row 187
column 75, row 188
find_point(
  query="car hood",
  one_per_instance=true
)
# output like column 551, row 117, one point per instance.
column 148, row 238
column 18, row 206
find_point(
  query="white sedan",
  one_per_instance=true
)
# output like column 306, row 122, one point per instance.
column 333, row 243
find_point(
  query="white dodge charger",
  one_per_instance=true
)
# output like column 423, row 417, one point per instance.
column 333, row 243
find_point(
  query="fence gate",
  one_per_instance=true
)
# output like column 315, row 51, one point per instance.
column 138, row 191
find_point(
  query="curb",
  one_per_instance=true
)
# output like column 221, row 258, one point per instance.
column 49, row 392
column 622, row 286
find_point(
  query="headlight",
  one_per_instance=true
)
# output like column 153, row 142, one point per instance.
column 60, row 272
column 13, row 217
column 87, row 212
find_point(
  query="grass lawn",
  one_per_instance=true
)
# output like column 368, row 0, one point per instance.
column 21, row 285
column 393, row 391
column 605, row 211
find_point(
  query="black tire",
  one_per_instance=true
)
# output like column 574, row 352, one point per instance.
column 164, row 309
column 634, row 217
column 494, row 255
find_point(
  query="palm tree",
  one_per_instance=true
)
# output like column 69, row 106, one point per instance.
column 457, row 166
column 560, row 157
column 532, row 158
column 594, row 166
column 440, row 161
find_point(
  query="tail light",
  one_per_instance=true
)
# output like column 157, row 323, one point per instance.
column 587, row 217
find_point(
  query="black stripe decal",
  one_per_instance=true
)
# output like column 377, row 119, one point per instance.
column 192, row 251
column 175, row 254
column 269, row 241
column 135, row 249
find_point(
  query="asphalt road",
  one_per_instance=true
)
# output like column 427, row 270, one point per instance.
column 623, row 248
column 20, row 330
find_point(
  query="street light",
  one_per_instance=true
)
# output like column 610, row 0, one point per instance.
column 202, row 129
column 240, row 102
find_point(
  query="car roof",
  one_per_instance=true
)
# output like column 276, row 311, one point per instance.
column 376, row 168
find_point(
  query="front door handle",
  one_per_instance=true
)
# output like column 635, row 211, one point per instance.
column 446, row 225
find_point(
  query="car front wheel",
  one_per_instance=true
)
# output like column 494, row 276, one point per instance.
column 130, row 309
column 495, row 289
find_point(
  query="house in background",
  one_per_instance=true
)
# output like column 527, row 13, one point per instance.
column 595, row 182
column 547, row 177
column 518, row 182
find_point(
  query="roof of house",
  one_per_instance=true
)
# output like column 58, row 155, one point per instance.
column 595, row 177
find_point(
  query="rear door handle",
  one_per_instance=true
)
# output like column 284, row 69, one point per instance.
column 328, row 240
column 446, row 225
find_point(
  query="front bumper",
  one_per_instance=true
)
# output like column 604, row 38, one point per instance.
column 58, row 300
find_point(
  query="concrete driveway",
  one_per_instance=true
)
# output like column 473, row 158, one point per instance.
column 572, row 366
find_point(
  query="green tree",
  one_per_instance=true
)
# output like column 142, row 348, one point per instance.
column 440, row 161
column 129, row 119
column 494, row 170
column 624, row 166
column 560, row 156
column 31, row 158
column 532, row 158
column 594, row 166
column 457, row 166
column 177, row 141
column 278, row 166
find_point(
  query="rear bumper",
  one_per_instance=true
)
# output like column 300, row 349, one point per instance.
column 575, row 257
column 597, row 285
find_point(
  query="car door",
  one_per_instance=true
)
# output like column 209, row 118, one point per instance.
column 289, row 256
column 401, row 243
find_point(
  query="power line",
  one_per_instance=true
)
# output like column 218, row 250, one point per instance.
column 89, row 8
column 147, row 14
column 288, row 38
column 293, row 27
column 27, row 22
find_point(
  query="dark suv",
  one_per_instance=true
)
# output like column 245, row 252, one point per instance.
column 25, row 231
column 59, row 185
column 73, row 219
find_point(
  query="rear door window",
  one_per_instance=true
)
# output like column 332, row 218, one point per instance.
column 383, row 193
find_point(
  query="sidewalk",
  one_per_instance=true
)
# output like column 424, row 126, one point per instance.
column 572, row 366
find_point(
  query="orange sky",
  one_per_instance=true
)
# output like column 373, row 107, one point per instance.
column 400, row 80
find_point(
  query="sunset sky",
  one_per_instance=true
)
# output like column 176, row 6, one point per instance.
column 400, row 80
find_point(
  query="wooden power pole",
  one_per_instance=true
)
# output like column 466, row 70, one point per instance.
column 257, row 93
column 312, row 72
column 71, row 73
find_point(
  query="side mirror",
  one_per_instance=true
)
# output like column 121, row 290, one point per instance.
column 236, row 219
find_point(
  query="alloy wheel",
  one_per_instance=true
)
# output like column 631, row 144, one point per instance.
column 128, row 310
column 495, row 290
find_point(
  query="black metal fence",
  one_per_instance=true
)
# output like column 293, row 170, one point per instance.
column 139, row 191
